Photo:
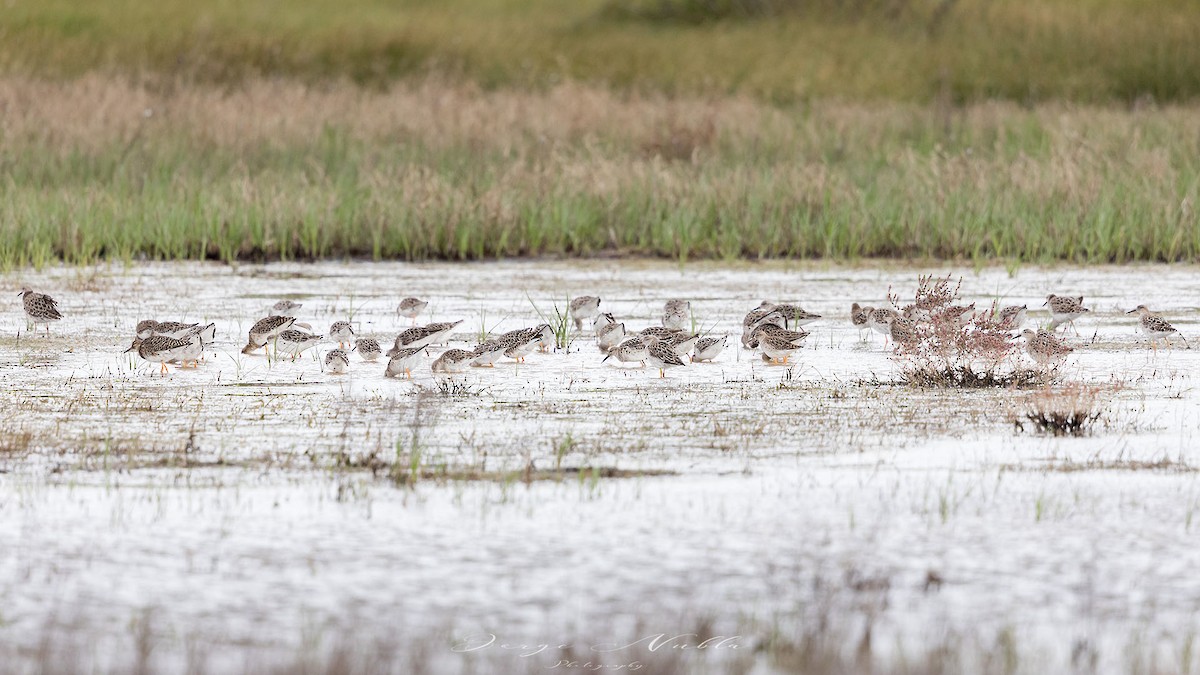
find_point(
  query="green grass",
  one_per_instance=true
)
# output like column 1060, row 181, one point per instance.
column 779, row 50
column 475, row 129
column 438, row 171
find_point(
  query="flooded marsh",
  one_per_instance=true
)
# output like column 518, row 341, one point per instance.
column 263, row 515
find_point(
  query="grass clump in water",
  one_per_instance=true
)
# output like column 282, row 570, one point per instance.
column 1072, row 410
column 944, row 345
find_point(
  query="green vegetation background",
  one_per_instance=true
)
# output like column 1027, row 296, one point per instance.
column 1059, row 129
column 780, row 50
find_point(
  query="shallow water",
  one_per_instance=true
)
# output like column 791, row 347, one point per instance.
column 208, row 518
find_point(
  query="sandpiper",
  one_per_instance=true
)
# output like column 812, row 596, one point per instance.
column 160, row 349
column 708, row 349
column 207, row 333
column 628, row 351
column 1011, row 317
column 368, row 349
column 676, row 314
column 337, row 361
column 264, row 330
column 200, row 338
column 546, row 337
column 860, row 316
column 193, row 351
column 487, row 352
column 285, row 308
column 582, row 308
column 778, row 348
column 795, row 315
column 403, row 361
column 452, row 361
column 924, row 308
column 602, row 319
column 756, row 316
column 196, row 340
column 175, row 329
column 293, row 342
column 879, row 321
column 40, row 308
column 610, row 335
column 441, row 331
column 409, row 308
column 341, row 331
column 1044, row 347
column 682, row 343
column 676, row 305
column 1156, row 327
column 423, row 336
column 902, row 330
column 145, row 328
column 412, row 338
column 796, row 337
column 521, row 343
column 957, row 315
column 662, row 356
column 655, row 333
column 1064, row 309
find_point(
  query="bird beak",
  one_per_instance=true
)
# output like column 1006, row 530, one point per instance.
column 1131, row 311
column 1045, row 303
column 606, row 358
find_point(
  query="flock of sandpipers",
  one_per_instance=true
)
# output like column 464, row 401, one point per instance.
column 776, row 329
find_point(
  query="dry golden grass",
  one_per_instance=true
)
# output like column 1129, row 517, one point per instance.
column 1069, row 410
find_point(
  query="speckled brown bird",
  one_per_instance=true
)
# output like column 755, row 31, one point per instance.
column 40, row 308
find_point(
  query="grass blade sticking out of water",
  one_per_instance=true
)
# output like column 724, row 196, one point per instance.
column 560, row 322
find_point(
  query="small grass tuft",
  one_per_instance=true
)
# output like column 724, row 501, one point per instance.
column 1065, row 411
column 560, row 322
column 458, row 388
